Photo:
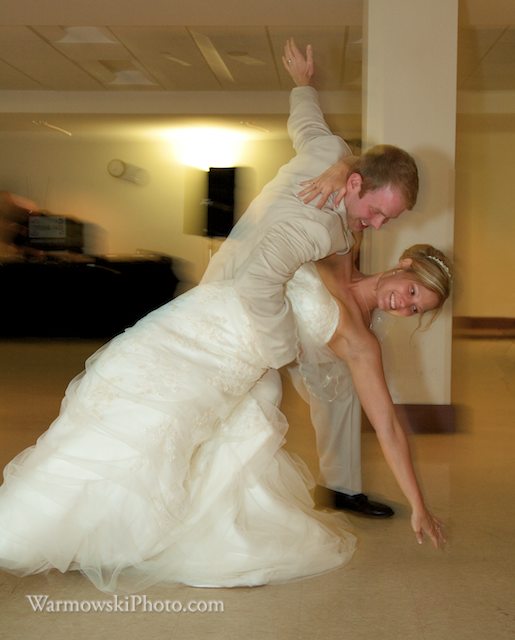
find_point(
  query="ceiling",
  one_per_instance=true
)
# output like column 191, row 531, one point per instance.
column 85, row 63
column 169, row 58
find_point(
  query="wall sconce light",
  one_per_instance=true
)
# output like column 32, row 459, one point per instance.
column 125, row 171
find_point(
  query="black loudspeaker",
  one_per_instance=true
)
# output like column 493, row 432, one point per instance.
column 220, row 202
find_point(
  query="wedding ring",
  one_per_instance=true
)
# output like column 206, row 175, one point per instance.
column 289, row 60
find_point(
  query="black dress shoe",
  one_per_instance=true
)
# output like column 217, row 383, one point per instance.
column 361, row 504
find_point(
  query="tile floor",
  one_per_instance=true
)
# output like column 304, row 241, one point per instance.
column 392, row 589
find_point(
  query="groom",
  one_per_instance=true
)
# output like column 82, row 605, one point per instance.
column 279, row 232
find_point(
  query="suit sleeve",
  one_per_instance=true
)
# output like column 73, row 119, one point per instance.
column 306, row 122
column 261, row 283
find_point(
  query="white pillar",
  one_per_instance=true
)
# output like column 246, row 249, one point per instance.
column 410, row 101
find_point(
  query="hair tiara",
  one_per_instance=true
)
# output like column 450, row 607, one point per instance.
column 442, row 265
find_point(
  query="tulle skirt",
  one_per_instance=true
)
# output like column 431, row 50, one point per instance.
column 166, row 465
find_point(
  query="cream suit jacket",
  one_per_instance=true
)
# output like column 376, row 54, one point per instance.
column 278, row 233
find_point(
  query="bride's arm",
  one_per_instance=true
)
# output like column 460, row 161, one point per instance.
column 362, row 353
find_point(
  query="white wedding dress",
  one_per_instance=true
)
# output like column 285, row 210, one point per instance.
column 166, row 461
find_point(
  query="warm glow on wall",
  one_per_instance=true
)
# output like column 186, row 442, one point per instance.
column 204, row 147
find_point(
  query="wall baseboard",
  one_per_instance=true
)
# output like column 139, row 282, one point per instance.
column 483, row 327
column 423, row 418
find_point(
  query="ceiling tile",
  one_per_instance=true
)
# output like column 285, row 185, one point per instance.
column 236, row 47
column 170, row 55
column 32, row 56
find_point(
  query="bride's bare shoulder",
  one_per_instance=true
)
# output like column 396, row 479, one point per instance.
column 336, row 272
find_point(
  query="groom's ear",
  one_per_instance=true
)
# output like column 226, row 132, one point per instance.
column 354, row 182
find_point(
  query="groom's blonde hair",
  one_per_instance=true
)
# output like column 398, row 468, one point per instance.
column 386, row 165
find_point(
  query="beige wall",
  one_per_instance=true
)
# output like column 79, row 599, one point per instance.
column 68, row 176
column 485, row 216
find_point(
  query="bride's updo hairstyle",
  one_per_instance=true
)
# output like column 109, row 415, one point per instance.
column 432, row 269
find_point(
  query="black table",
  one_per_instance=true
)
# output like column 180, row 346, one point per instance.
column 90, row 298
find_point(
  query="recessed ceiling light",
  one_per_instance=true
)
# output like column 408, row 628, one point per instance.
column 169, row 56
column 130, row 77
column 244, row 58
column 212, row 57
column 85, row 35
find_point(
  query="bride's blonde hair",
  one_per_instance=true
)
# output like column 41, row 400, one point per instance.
column 432, row 267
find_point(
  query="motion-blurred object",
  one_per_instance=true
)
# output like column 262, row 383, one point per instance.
column 14, row 223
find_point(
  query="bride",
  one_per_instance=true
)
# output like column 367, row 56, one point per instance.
column 166, row 461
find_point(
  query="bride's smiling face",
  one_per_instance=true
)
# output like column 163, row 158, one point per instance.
column 401, row 294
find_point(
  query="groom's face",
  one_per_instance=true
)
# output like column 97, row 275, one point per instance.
column 373, row 208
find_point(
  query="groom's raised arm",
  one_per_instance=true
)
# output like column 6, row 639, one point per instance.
column 308, row 130
column 306, row 121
